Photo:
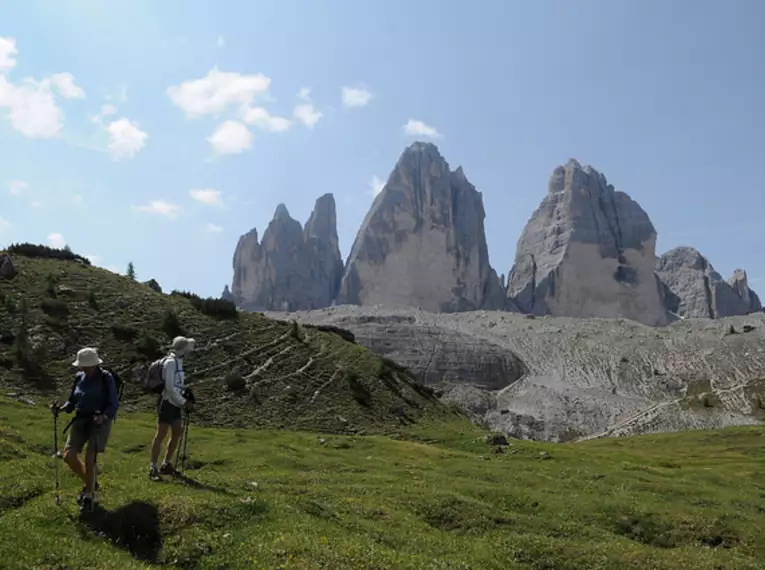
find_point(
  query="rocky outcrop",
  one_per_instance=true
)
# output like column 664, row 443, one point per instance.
column 152, row 284
column 7, row 268
column 422, row 243
column 695, row 289
column 587, row 251
column 227, row 295
column 740, row 283
column 291, row 268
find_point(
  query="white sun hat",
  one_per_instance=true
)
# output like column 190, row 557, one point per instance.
column 183, row 345
column 87, row 357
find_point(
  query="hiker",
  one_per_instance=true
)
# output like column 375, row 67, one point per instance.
column 170, row 404
column 94, row 400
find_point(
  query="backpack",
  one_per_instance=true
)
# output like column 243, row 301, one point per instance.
column 153, row 382
column 118, row 384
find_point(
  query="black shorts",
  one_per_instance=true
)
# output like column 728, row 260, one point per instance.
column 167, row 413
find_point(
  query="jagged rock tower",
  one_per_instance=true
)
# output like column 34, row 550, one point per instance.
column 292, row 268
column 587, row 251
column 422, row 243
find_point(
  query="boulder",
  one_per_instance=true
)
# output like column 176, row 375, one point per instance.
column 422, row 243
column 587, row 251
column 7, row 267
column 695, row 289
column 291, row 268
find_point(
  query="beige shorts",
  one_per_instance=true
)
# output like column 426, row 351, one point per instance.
column 95, row 436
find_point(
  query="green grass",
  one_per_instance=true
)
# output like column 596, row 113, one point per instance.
column 434, row 497
column 288, row 376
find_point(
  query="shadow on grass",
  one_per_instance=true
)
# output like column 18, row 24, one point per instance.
column 194, row 484
column 133, row 527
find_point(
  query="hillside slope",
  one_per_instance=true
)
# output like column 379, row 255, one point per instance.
column 248, row 370
column 558, row 378
column 277, row 499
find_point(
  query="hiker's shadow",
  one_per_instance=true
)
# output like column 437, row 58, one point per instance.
column 201, row 486
column 133, row 527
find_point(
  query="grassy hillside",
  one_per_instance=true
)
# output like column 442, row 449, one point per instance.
column 248, row 370
column 440, row 498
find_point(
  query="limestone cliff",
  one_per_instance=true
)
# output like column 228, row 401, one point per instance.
column 697, row 290
column 291, row 268
column 587, row 251
column 422, row 243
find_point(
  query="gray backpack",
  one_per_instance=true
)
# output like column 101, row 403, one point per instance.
column 153, row 383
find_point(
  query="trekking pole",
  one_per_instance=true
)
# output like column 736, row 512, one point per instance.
column 183, row 445
column 55, row 457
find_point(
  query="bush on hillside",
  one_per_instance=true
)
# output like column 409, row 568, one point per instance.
column 54, row 307
column 149, row 347
column 171, row 325
column 124, row 332
column 216, row 308
column 45, row 252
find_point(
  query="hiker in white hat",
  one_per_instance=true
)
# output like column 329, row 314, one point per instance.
column 94, row 400
column 170, row 405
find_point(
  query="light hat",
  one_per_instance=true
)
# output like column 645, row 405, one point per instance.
column 87, row 357
column 183, row 345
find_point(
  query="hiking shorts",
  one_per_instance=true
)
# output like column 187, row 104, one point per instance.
column 82, row 432
column 167, row 413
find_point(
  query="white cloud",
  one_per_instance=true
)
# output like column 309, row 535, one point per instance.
column 64, row 84
column 221, row 41
column 125, row 138
column 231, row 137
column 213, row 228
column 94, row 259
column 305, row 93
column 262, row 119
column 418, row 128
column 4, row 225
column 160, row 207
column 114, row 269
column 8, row 53
column 16, row 187
column 216, row 91
column 376, row 185
column 206, row 196
column 306, row 113
column 31, row 105
column 56, row 240
column 356, row 97
column 107, row 110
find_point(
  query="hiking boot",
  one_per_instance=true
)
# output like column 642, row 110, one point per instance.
column 154, row 474
column 167, row 469
column 87, row 504
column 82, row 493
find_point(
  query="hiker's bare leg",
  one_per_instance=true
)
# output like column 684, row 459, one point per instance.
column 74, row 463
column 90, row 468
column 175, row 436
column 156, row 445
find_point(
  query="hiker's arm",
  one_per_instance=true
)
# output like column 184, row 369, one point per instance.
column 173, row 392
column 111, row 409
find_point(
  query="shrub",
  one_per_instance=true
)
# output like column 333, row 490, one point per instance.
column 170, row 324
column 124, row 332
column 149, row 346
column 52, row 283
column 45, row 252
column 234, row 381
column 216, row 308
column 92, row 301
column 360, row 392
column 54, row 307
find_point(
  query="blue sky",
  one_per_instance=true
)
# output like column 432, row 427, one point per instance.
column 159, row 132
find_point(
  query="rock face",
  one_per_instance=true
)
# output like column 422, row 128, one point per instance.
column 227, row 295
column 292, row 268
column 587, row 251
column 422, row 243
column 152, row 284
column 740, row 283
column 695, row 289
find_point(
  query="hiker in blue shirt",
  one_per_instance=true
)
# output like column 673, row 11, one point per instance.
column 94, row 400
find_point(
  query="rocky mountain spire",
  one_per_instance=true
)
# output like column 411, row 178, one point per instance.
column 291, row 268
column 587, row 251
column 422, row 243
